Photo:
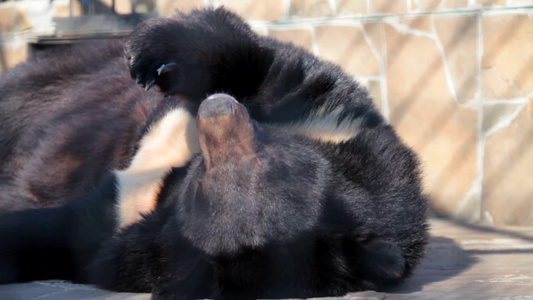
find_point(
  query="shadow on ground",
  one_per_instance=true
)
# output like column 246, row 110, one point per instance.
column 444, row 259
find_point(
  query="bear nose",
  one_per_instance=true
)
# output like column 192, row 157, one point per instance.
column 216, row 105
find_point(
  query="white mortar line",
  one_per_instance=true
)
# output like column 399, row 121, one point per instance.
column 417, row 5
column 477, row 104
column 508, row 101
column 508, row 11
column 488, row 218
column 507, row 119
column 339, row 22
column 362, row 81
column 283, row 26
column 368, row 7
column 447, row 72
column 472, row 3
column 384, row 17
column 471, row 195
column 316, row 49
column 484, row 215
column 382, row 66
column 442, row 4
column 367, row 78
column 286, row 7
column 333, row 6
column 384, row 81
column 409, row 6
column 260, row 27
column 370, row 43
column 480, row 157
column 402, row 28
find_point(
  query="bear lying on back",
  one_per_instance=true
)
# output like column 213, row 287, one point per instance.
column 300, row 189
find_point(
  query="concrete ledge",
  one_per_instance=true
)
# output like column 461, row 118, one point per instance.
column 462, row 262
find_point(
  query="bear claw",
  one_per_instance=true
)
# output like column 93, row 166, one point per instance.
column 165, row 66
column 149, row 84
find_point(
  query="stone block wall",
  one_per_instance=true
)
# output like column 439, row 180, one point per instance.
column 20, row 21
column 13, row 21
column 455, row 77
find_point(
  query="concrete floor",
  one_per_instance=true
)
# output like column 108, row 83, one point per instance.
column 462, row 262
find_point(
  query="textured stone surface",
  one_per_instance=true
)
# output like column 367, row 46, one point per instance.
column 300, row 37
column 310, row 8
column 497, row 114
column 429, row 120
column 428, row 4
column 388, row 6
column 63, row 9
column 508, row 56
column 13, row 19
column 374, row 89
column 123, row 6
column 508, row 165
column 12, row 53
column 455, row 4
column 458, row 36
column 270, row 10
column 520, row 2
column 491, row 2
column 260, row 29
column 418, row 23
column 374, row 31
column 350, row 50
column 462, row 262
column 168, row 7
column 350, row 7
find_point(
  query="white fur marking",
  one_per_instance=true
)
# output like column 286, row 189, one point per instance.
column 325, row 127
column 171, row 142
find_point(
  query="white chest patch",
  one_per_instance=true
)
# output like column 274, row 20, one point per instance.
column 326, row 127
column 171, row 142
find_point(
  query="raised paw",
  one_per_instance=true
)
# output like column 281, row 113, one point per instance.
column 147, row 55
column 160, row 52
column 189, row 54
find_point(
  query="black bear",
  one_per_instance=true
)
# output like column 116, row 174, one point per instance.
column 299, row 189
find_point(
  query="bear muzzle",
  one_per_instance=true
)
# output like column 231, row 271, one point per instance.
column 225, row 129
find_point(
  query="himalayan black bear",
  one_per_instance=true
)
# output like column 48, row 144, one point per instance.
column 232, row 166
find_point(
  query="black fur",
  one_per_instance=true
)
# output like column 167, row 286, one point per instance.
column 306, row 218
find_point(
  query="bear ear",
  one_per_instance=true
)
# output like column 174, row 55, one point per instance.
column 225, row 129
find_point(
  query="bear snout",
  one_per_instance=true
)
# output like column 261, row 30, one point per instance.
column 225, row 129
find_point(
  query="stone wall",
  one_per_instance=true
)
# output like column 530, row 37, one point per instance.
column 20, row 22
column 455, row 77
